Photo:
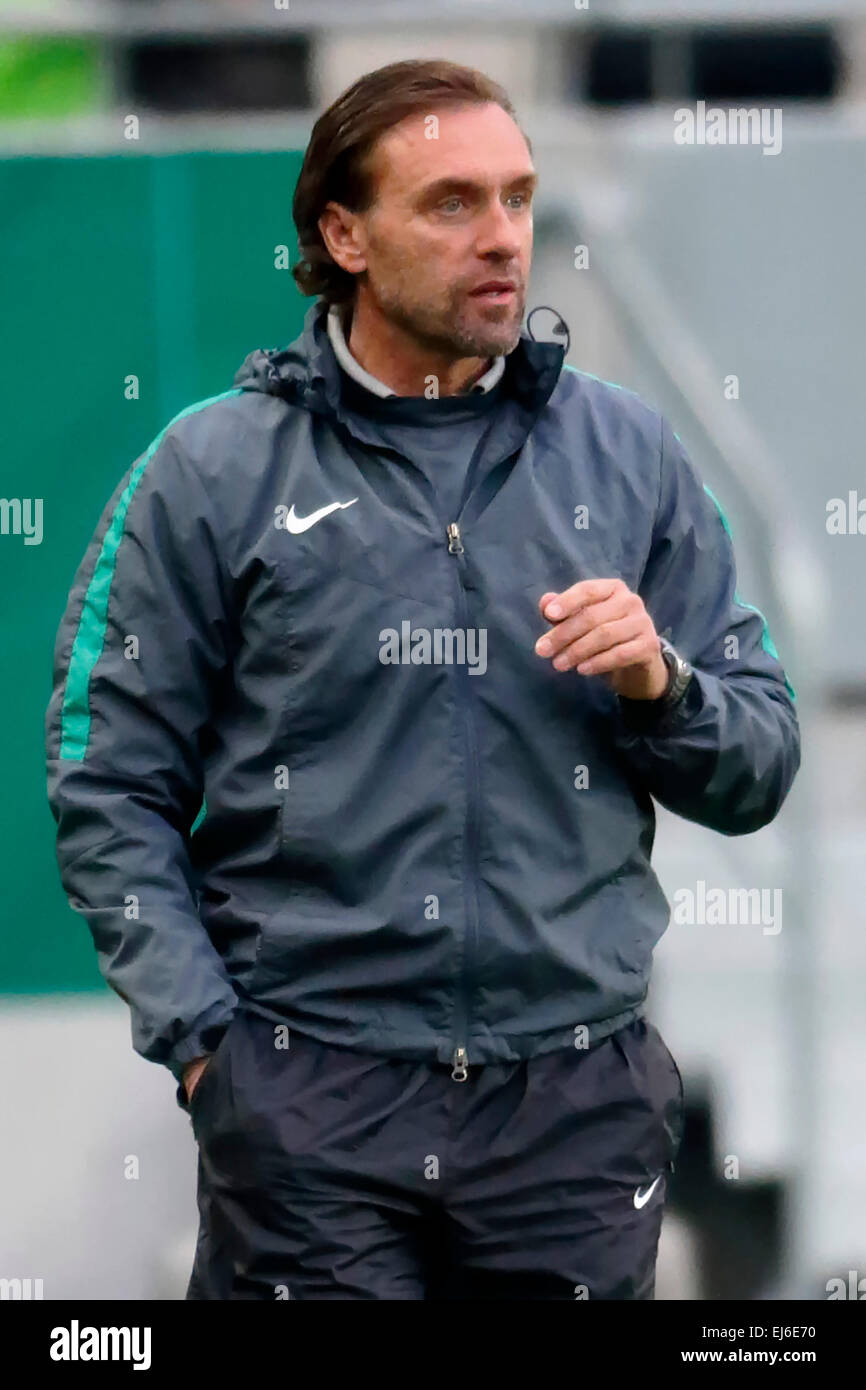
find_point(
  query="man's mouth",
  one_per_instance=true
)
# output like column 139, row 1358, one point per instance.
column 495, row 291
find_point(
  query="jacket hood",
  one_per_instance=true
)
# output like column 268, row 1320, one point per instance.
column 307, row 373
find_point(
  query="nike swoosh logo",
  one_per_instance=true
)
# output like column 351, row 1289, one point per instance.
column 641, row 1198
column 297, row 524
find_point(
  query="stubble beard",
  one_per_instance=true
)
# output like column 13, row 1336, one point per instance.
column 455, row 328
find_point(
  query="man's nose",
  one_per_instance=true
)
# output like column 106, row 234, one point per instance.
column 498, row 232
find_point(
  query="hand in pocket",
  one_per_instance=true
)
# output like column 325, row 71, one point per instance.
column 192, row 1074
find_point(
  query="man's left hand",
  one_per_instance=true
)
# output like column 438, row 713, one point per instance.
column 600, row 628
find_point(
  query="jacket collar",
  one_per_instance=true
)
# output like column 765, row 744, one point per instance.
column 307, row 373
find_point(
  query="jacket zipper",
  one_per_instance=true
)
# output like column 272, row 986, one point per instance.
column 460, row 1058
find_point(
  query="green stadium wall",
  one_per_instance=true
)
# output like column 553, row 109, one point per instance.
column 158, row 266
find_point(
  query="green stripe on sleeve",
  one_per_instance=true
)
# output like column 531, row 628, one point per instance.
column 600, row 379
column 93, row 620
column 200, row 817
column 766, row 640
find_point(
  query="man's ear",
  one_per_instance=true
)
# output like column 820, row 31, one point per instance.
column 342, row 234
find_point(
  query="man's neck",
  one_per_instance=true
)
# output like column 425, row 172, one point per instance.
column 392, row 356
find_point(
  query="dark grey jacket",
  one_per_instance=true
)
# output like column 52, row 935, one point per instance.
column 396, row 849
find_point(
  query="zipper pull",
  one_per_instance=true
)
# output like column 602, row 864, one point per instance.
column 455, row 544
column 460, row 1070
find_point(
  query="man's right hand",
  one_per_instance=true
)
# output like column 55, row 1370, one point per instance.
column 192, row 1074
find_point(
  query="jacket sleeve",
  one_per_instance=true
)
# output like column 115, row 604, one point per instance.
column 726, row 756
column 138, row 656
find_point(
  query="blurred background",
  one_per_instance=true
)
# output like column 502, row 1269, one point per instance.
column 148, row 153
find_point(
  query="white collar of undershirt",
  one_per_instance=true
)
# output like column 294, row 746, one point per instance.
column 350, row 364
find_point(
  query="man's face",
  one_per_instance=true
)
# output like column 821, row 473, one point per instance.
column 452, row 211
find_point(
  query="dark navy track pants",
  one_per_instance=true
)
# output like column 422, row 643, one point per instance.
column 329, row 1173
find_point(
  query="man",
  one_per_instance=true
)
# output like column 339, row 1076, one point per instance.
column 391, row 613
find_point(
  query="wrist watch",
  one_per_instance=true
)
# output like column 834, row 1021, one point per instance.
column 680, row 674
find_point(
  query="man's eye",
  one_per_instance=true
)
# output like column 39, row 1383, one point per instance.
column 451, row 205
column 522, row 197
